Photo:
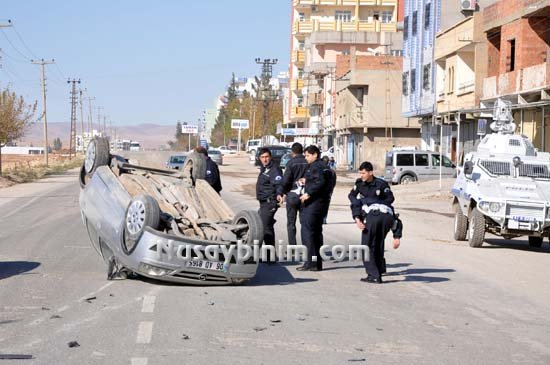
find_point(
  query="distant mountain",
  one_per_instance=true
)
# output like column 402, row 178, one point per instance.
column 151, row 136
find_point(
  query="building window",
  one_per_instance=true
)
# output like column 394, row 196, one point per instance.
column 426, row 77
column 406, row 28
column 427, row 10
column 451, row 80
column 301, row 17
column 511, row 59
column 387, row 16
column 414, row 22
column 413, row 80
column 346, row 52
column 396, row 52
column 405, row 83
column 300, row 73
column 376, row 15
column 343, row 15
column 301, row 45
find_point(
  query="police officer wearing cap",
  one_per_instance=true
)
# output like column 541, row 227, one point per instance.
column 269, row 192
column 294, row 171
column 371, row 205
column 314, row 202
column 212, row 175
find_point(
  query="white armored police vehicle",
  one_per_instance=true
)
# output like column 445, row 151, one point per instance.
column 504, row 187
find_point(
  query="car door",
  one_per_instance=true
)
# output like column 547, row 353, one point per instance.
column 422, row 166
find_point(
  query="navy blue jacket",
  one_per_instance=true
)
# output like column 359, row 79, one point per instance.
column 295, row 169
column 270, row 182
column 376, row 192
column 213, row 175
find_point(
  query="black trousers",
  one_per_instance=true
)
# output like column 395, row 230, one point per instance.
column 311, row 218
column 293, row 206
column 267, row 214
column 377, row 226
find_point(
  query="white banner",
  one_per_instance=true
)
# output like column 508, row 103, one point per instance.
column 239, row 123
column 189, row 129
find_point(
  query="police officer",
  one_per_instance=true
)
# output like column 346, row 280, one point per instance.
column 294, row 171
column 371, row 199
column 269, row 192
column 212, row 176
column 314, row 200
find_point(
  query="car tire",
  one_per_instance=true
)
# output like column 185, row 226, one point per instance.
column 97, row 154
column 255, row 227
column 461, row 224
column 407, row 179
column 195, row 166
column 82, row 177
column 143, row 211
column 535, row 242
column 476, row 228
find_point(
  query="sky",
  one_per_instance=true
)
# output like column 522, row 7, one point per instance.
column 144, row 61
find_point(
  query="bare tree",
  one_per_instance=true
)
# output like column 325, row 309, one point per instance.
column 15, row 116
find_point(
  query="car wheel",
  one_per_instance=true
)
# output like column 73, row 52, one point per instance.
column 142, row 212
column 97, row 154
column 407, row 179
column 83, row 179
column 255, row 229
column 461, row 224
column 535, row 242
column 476, row 230
column 195, row 166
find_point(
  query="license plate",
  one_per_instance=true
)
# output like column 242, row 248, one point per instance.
column 204, row 264
column 514, row 224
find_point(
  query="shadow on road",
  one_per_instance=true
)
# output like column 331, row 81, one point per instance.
column 275, row 275
column 414, row 274
column 12, row 268
column 522, row 245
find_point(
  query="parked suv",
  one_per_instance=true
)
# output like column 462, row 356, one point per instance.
column 404, row 167
column 176, row 161
column 277, row 152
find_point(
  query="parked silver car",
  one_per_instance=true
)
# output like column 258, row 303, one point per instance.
column 407, row 166
column 176, row 161
column 157, row 222
column 216, row 156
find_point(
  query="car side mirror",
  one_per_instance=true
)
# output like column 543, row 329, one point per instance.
column 468, row 168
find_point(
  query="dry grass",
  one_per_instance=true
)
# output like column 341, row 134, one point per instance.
column 26, row 170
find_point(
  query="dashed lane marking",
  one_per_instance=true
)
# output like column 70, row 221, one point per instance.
column 139, row 361
column 148, row 304
column 145, row 332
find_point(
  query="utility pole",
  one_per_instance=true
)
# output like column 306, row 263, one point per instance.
column 43, row 63
column 72, row 138
column 99, row 117
column 81, row 118
column 264, row 90
column 90, row 117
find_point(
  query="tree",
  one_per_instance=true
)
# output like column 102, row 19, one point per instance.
column 57, row 144
column 15, row 116
column 232, row 92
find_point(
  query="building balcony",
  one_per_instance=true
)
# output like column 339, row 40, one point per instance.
column 529, row 79
column 298, row 57
column 315, row 25
column 305, row 3
column 320, row 68
column 299, row 112
column 296, row 84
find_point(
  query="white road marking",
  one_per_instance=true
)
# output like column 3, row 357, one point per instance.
column 96, row 292
column 139, row 361
column 145, row 332
column 148, row 304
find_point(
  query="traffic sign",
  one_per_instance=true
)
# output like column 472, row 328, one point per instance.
column 239, row 123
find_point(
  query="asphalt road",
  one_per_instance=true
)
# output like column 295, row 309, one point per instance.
column 442, row 301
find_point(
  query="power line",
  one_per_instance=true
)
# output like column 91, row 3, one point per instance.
column 22, row 41
column 12, row 45
column 42, row 63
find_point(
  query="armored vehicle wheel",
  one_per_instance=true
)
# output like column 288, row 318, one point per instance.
column 407, row 179
column 535, row 241
column 255, row 229
column 461, row 224
column 476, row 230
column 142, row 212
column 97, row 155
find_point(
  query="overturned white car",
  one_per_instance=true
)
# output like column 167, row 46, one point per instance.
column 504, row 187
column 158, row 223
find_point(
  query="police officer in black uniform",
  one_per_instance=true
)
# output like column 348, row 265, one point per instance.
column 294, row 171
column 371, row 205
column 314, row 202
column 212, row 175
column 269, row 192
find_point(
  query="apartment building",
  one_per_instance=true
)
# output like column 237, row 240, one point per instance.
column 421, row 22
column 368, row 120
column 322, row 30
column 518, row 40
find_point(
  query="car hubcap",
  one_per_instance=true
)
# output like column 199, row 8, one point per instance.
column 135, row 218
column 90, row 157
